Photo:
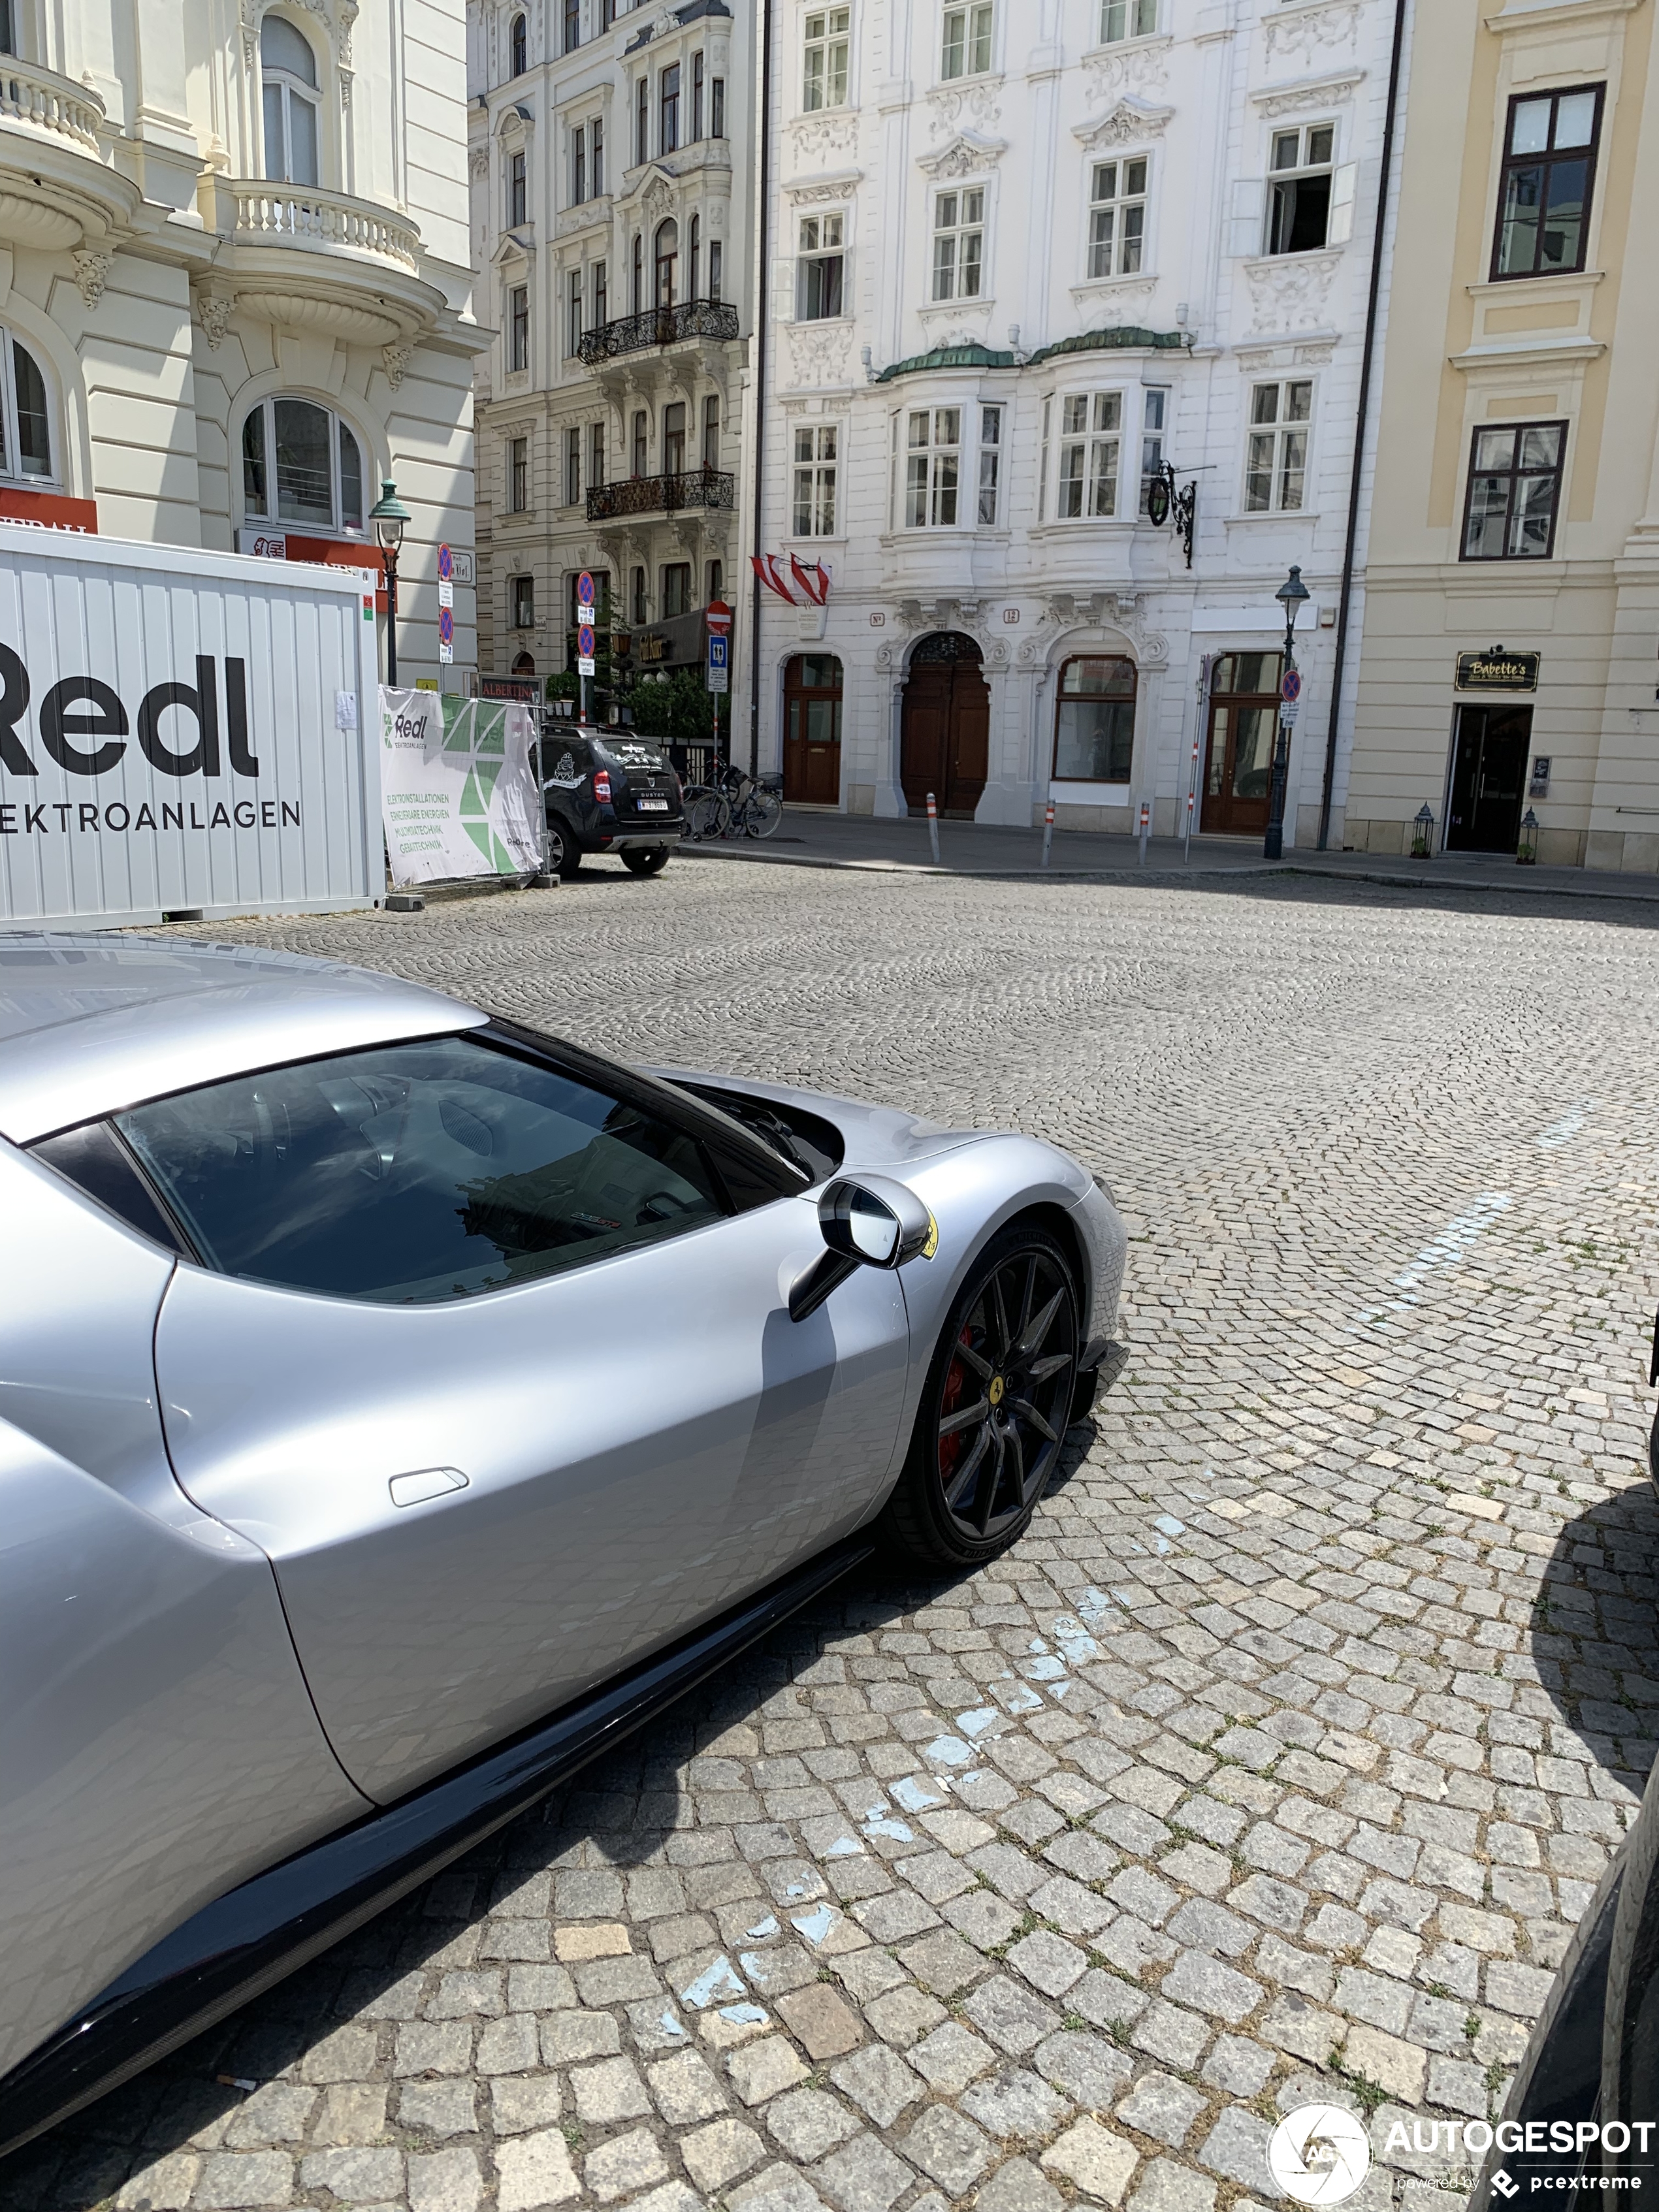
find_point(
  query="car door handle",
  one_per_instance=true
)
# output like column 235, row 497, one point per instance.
column 425, row 1483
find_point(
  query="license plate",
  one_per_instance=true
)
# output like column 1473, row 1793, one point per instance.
column 653, row 806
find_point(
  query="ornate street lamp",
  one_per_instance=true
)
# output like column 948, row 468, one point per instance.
column 391, row 518
column 1422, row 834
column 1292, row 595
column 1526, row 853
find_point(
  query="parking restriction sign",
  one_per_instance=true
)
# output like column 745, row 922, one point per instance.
column 586, row 647
column 446, row 634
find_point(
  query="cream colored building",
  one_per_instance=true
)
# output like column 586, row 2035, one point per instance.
column 235, row 290
column 1517, row 500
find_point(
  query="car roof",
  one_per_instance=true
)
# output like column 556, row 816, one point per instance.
column 89, row 1024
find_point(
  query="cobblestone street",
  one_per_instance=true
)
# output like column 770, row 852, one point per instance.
column 1279, row 1761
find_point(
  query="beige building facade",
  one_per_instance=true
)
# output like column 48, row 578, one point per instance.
column 1512, row 602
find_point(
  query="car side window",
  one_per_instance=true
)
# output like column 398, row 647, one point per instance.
column 418, row 1172
column 94, row 1158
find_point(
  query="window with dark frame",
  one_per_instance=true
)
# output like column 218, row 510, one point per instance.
column 638, row 597
column 673, row 439
column 1299, row 189
column 717, row 107
column 819, row 288
column 578, row 165
column 696, row 97
column 639, row 273
column 1515, row 491
column 711, row 430
column 642, row 121
column 676, row 589
column 596, row 134
column 668, row 118
column 694, row 272
column 573, row 25
column 518, row 190
column 573, row 468
column 1550, row 147
column 595, row 456
column 517, row 327
column 574, row 331
column 522, row 602
column 1094, row 720
column 642, row 441
column 517, row 47
column 518, row 476
column 716, row 262
column 601, row 297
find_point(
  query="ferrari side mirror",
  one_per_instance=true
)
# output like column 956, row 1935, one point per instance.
column 868, row 1221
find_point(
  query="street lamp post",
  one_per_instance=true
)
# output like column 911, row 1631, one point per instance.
column 1292, row 595
column 390, row 517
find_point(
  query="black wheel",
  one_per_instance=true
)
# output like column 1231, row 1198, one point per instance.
column 996, row 1406
column 648, row 860
column 563, row 854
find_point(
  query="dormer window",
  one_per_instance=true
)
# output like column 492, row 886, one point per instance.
column 288, row 70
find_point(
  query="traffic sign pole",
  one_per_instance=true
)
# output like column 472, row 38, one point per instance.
column 585, row 641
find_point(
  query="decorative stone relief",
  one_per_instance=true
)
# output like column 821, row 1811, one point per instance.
column 830, row 188
column 92, row 268
column 396, row 357
column 1316, row 92
column 214, row 311
column 1124, row 301
column 659, row 200
column 972, row 102
column 1131, row 123
column 819, row 353
column 1289, row 292
column 477, row 162
column 967, row 156
column 823, row 138
column 1115, row 69
column 1305, row 35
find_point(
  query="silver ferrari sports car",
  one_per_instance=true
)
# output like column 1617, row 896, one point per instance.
column 398, row 1406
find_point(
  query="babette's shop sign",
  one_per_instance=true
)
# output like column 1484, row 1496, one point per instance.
column 181, row 732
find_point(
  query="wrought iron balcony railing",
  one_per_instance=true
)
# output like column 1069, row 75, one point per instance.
column 657, row 326
column 709, row 487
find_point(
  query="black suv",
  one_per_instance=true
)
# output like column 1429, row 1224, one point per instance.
column 608, row 792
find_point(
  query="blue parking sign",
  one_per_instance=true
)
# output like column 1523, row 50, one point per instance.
column 719, row 662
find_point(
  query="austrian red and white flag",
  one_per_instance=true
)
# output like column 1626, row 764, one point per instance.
column 814, row 581
column 768, row 568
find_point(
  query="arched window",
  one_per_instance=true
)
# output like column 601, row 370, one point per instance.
column 694, row 273
column 518, row 44
column 9, row 26
column 26, row 426
column 639, row 274
column 668, row 261
column 288, row 72
column 301, row 463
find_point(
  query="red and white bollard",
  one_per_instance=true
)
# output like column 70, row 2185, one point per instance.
column 1145, row 829
column 1187, row 855
column 1047, row 831
column 933, row 826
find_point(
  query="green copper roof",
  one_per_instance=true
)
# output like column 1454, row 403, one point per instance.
column 979, row 356
column 1110, row 341
column 963, row 356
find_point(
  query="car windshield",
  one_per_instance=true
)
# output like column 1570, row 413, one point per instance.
column 416, row 1172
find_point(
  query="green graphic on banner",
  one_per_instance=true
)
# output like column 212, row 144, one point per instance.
column 459, row 797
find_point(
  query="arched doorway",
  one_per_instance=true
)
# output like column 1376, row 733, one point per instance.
column 945, row 732
column 811, row 729
column 1244, row 723
column 524, row 665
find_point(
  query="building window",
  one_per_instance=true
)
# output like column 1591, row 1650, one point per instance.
column 1042, row 460
column 596, row 455
column 959, row 244
column 697, row 96
column 573, row 25
column 711, row 431
column 607, row 14
column 1091, row 450
column 314, row 457
column 673, row 439
column 518, row 189
column 668, row 120
column 642, row 441
column 820, row 292
column 573, row 335
column 716, row 262
column 639, row 614
column 967, row 47
column 601, row 297
column 1154, row 420
column 517, row 327
column 829, row 40
column 26, row 434
column 596, row 137
column 1117, row 218
column 639, row 273
column 642, row 121
column 714, row 581
column 1095, row 723
column 666, row 256
column 522, row 602
column 517, row 47
column 1514, row 492
column 676, row 589
column 1299, row 189
column 990, row 466
column 288, row 80
column 817, row 460
column 8, row 28
column 933, row 468
column 693, row 274
column 1127, row 19
column 578, row 167
column 573, row 468
column 1549, row 171
column 1276, row 462
column 518, row 476
column 717, row 107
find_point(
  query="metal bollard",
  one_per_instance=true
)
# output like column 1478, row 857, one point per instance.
column 1187, row 855
column 1145, row 829
column 1047, row 831
column 933, row 826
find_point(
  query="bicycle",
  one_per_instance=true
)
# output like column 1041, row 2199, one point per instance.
column 754, row 805
column 707, row 813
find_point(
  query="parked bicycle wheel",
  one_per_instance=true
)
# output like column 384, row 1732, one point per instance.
column 708, row 814
column 764, row 811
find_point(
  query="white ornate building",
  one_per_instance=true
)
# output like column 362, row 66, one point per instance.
column 235, row 281
column 613, row 202
column 1022, row 253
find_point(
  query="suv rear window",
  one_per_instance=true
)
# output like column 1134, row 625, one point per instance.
column 628, row 752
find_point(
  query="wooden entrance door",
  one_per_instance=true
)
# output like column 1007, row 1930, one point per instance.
column 1244, row 724
column 1489, row 779
column 811, row 730
column 946, row 734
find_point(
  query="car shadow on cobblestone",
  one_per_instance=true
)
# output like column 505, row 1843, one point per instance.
column 1595, row 1643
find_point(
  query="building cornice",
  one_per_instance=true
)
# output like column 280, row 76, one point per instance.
column 1551, row 15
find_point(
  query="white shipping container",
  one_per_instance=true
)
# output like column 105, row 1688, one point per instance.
column 181, row 729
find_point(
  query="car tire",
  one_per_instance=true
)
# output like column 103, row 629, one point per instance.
column 564, row 855
column 971, row 1486
column 649, row 861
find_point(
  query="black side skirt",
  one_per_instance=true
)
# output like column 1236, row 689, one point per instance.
column 247, row 1941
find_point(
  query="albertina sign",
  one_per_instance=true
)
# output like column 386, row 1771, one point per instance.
column 182, row 729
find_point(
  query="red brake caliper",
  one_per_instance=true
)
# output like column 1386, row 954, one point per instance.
column 950, row 1448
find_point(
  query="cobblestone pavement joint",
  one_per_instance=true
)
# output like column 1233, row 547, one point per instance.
column 1277, row 1763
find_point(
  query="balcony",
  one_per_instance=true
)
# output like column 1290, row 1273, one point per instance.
column 658, row 326
column 57, row 185
column 279, row 215
column 39, row 100
column 716, row 490
column 305, row 259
